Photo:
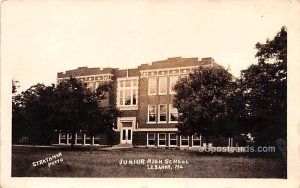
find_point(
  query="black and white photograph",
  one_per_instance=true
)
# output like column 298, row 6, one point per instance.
column 150, row 93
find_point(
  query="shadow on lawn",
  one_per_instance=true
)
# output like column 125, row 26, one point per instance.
column 94, row 162
column 193, row 152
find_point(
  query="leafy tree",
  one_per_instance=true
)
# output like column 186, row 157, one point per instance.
column 15, row 86
column 273, row 50
column 264, row 88
column 31, row 115
column 79, row 109
column 18, row 128
column 207, row 102
column 69, row 106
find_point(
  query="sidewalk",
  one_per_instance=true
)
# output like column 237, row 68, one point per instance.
column 119, row 146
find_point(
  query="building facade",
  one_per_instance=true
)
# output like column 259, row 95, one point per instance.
column 144, row 95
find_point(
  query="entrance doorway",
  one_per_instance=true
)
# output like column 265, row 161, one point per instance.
column 126, row 135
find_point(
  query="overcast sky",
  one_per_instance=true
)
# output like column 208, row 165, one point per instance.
column 41, row 38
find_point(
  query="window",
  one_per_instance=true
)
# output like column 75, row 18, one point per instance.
column 172, row 139
column 173, row 80
column 184, row 141
column 79, row 138
column 90, row 85
column 162, row 113
column 150, row 139
column 151, row 113
column 97, row 84
column 69, row 136
column 134, row 97
column 88, row 139
column 163, row 83
column 173, row 114
column 127, row 97
column 128, row 93
column 127, row 83
column 134, row 82
column 161, row 139
column 96, row 139
column 152, row 86
column 197, row 139
column 62, row 138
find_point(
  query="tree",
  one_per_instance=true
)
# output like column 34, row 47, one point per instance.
column 18, row 128
column 69, row 106
column 207, row 102
column 15, row 86
column 32, row 114
column 264, row 87
column 79, row 109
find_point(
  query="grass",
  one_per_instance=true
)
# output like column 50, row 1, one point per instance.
column 87, row 162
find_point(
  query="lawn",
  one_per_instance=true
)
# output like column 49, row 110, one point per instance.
column 87, row 162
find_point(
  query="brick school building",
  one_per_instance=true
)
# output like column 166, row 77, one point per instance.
column 144, row 95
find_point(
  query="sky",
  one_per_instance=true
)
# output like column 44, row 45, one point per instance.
column 41, row 38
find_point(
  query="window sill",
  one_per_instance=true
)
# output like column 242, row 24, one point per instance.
column 132, row 107
column 151, row 122
column 184, row 146
column 196, row 146
column 162, row 122
column 173, row 121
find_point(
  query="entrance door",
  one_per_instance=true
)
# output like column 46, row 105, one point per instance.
column 126, row 135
